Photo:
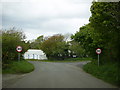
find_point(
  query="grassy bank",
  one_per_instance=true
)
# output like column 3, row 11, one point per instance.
column 65, row 60
column 18, row 67
column 107, row 72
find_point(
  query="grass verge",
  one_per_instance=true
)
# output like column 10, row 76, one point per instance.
column 18, row 67
column 65, row 60
column 78, row 59
column 107, row 72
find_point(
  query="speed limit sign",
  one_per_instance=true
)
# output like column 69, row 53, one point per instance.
column 19, row 49
column 98, row 51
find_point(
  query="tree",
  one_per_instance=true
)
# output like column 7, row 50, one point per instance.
column 103, row 31
column 55, row 47
column 85, row 39
column 106, row 23
column 76, row 49
column 10, row 40
column 36, row 44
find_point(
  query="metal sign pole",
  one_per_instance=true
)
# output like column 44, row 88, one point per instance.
column 18, row 56
column 98, row 60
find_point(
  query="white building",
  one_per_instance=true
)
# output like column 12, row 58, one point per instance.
column 35, row 54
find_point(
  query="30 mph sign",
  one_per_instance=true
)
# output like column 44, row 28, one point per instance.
column 19, row 49
column 98, row 51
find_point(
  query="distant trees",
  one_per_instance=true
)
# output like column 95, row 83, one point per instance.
column 36, row 44
column 10, row 40
column 58, row 46
column 76, row 49
column 55, row 47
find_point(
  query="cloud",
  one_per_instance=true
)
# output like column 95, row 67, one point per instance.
column 46, row 9
column 66, row 24
column 45, row 16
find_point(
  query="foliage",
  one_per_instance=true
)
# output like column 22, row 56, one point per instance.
column 85, row 39
column 10, row 40
column 76, row 49
column 18, row 67
column 103, row 31
column 106, row 24
column 107, row 72
column 55, row 47
column 36, row 44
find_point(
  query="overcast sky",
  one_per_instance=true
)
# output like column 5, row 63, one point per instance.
column 45, row 17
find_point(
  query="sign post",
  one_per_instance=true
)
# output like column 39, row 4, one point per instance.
column 98, row 51
column 19, row 49
column 18, row 56
column 98, row 60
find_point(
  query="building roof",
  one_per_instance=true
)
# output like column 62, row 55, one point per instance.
column 34, row 51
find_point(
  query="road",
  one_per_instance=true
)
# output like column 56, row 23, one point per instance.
column 56, row 75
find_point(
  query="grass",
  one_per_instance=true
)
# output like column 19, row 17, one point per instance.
column 18, row 67
column 65, row 60
column 78, row 59
column 32, row 60
column 107, row 72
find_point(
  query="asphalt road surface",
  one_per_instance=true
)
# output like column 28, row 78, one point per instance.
column 55, row 75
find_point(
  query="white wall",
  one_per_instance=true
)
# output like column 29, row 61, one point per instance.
column 35, row 54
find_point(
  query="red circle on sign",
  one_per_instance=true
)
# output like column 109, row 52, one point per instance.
column 98, row 51
column 19, row 49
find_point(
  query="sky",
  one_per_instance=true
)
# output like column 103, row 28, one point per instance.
column 45, row 17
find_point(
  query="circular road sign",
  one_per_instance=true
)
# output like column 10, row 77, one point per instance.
column 98, row 51
column 19, row 49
